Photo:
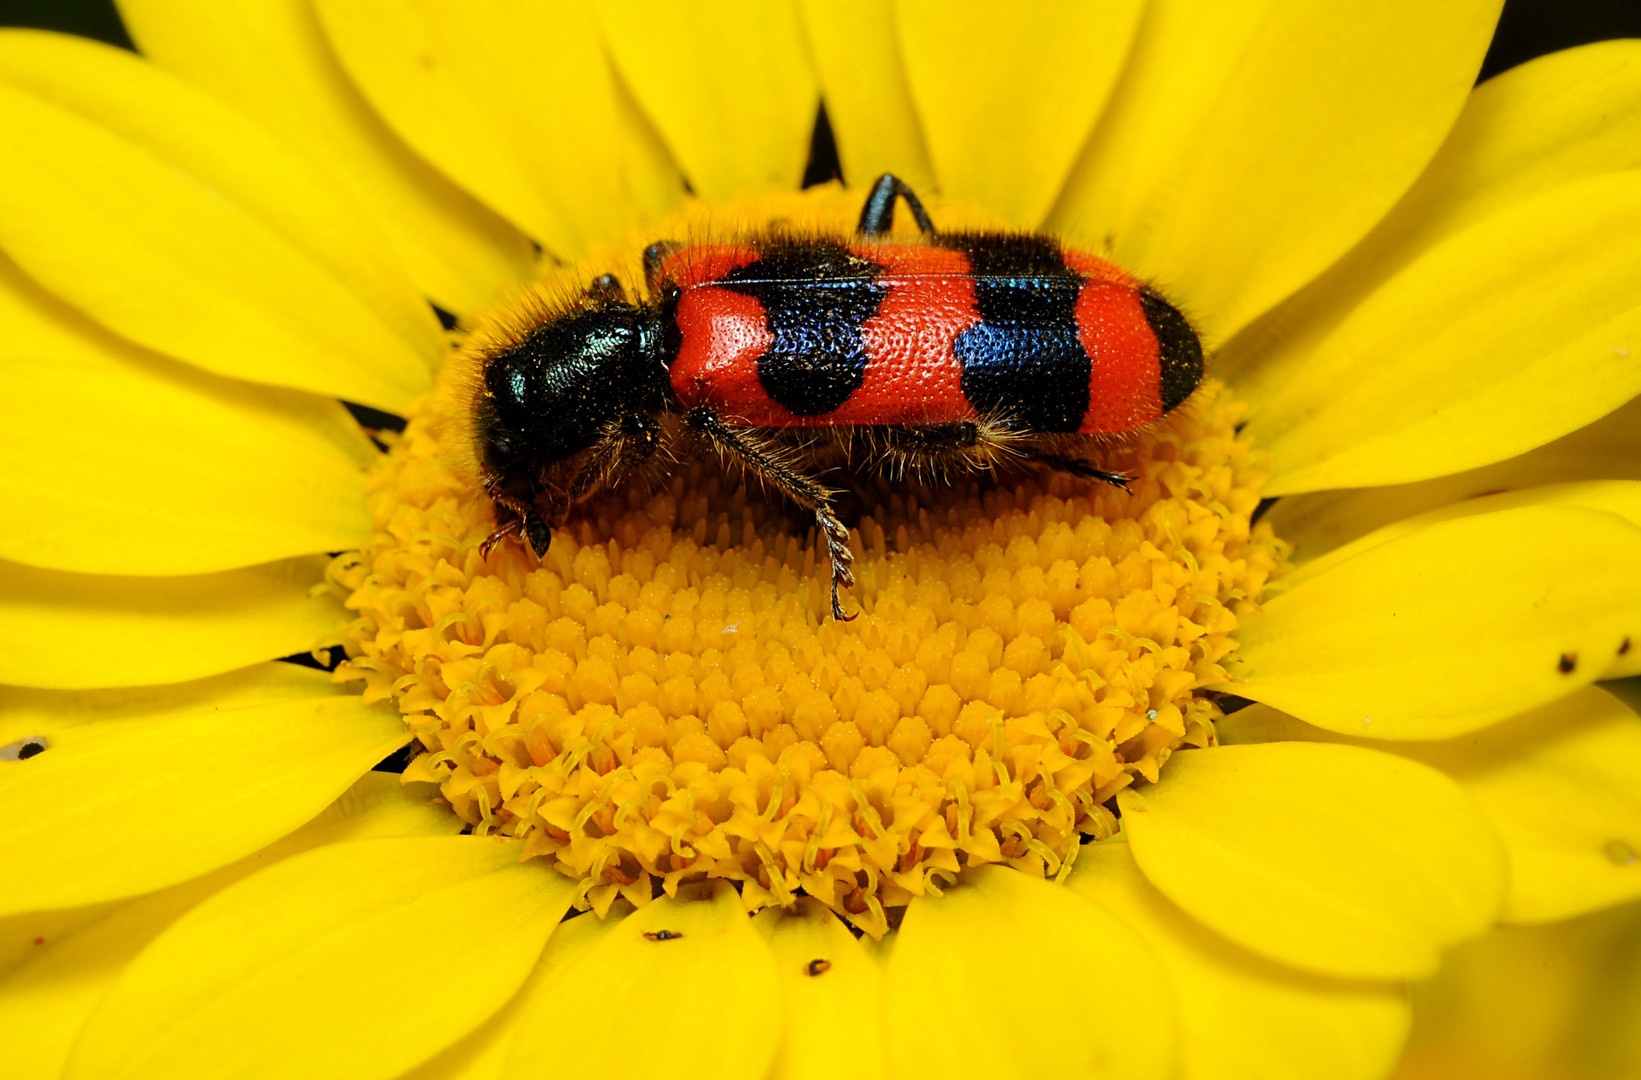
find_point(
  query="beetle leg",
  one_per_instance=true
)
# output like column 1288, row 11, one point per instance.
column 779, row 474
column 626, row 442
column 934, row 451
column 877, row 217
column 1078, row 467
column 515, row 517
column 606, row 289
column 654, row 256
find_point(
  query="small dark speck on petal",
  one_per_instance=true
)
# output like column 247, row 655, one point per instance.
column 1624, row 647
column 1568, row 662
column 818, row 967
column 25, row 748
column 662, row 935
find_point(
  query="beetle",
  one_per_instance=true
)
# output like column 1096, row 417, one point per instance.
column 963, row 350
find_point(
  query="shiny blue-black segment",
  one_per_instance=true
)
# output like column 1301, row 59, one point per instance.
column 816, row 294
column 1023, row 361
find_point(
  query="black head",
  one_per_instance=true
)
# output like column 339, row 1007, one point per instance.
column 572, row 383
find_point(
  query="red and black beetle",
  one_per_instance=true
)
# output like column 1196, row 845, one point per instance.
column 965, row 349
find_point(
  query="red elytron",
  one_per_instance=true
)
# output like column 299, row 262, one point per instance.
column 913, row 374
column 963, row 350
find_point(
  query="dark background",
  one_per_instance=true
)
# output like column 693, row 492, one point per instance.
column 1529, row 28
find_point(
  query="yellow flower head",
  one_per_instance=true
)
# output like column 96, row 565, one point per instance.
column 661, row 700
column 1224, row 781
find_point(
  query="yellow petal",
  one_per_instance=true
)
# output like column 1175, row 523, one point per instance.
column 857, row 51
column 1498, row 340
column 1316, row 523
column 1332, row 859
column 1552, row 1002
column 216, row 245
column 269, row 59
column 695, row 971
column 1008, row 960
column 1451, row 627
column 654, row 184
column 75, row 631
column 514, row 99
column 1620, row 497
column 728, row 86
column 117, row 807
column 833, row 989
column 378, row 804
column 1241, row 1015
column 1558, row 119
column 52, row 713
column 331, row 983
column 1250, row 144
column 1008, row 93
column 1561, row 785
column 95, row 482
column 1627, row 690
column 482, row 1055
column 44, row 1005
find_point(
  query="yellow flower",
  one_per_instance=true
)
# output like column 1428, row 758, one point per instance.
column 1060, row 853
column 1554, row 1002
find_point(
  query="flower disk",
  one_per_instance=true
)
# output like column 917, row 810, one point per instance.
column 662, row 698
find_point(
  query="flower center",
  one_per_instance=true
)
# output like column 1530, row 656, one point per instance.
column 664, row 697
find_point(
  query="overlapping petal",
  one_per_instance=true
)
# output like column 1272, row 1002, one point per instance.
column 483, row 1054
column 1452, row 626
column 1332, row 859
column 1621, row 498
column 77, row 631
column 122, row 462
column 130, row 793
column 270, row 59
column 1509, row 334
column 1316, row 523
column 1239, row 1014
column 857, row 53
column 513, row 99
column 1032, row 946
column 1551, row 1002
column 1504, row 191
column 45, row 1004
column 721, row 1009
column 326, row 978
column 832, row 988
column 1561, row 784
column 1007, row 94
column 731, row 90
column 217, row 245
column 1250, row 144
column 1560, row 119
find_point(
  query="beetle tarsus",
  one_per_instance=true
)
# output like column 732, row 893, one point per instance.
column 806, row 491
column 836, row 536
column 1078, row 467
